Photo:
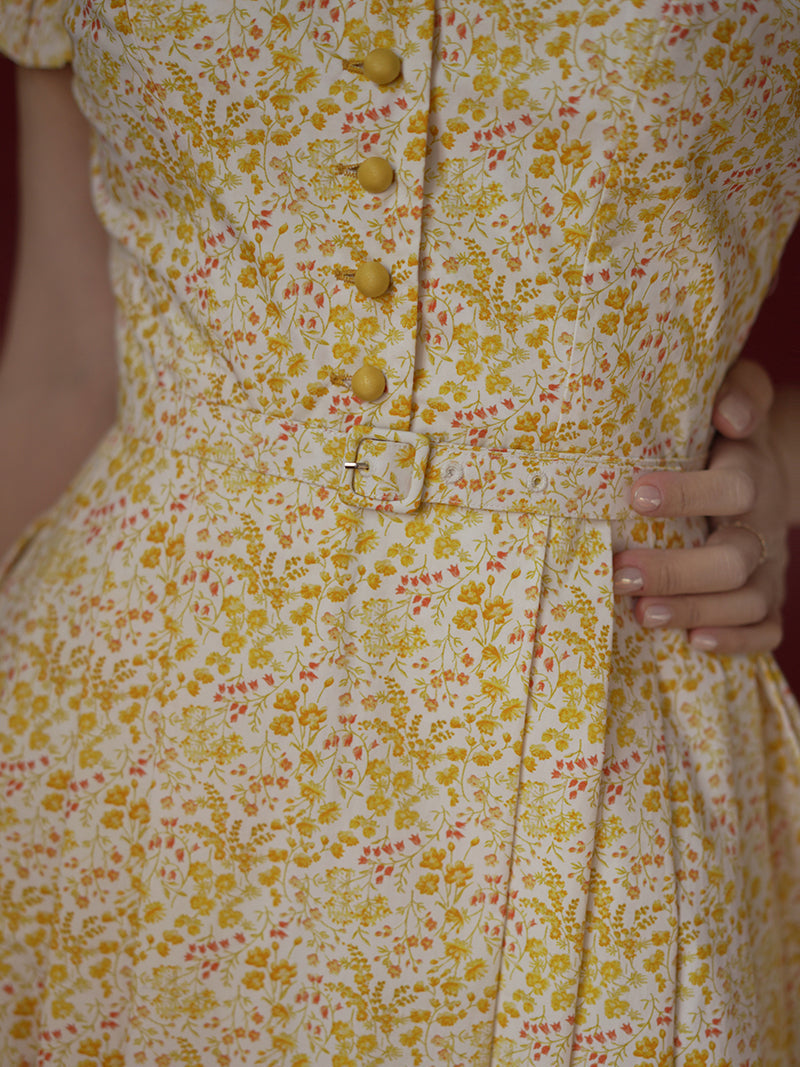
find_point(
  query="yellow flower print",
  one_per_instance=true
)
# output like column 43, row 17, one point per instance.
column 379, row 804
column 150, row 557
column 338, row 697
column 248, row 278
column 646, row 1048
column 433, row 858
column 558, row 45
column 485, row 83
column 234, row 641
column 61, row 779
column 282, row 725
column 445, row 546
column 139, row 811
column 547, row 139
column 158, row 532
column 725, row 30
column 283, row 972
column 635, row 315
column 575, row 154
column 62, row 1007
column 515, row 97
column 229, row 916
column 259, row 655
column 742, row 53
column 465, row 619
column 26, row 1006
column 607, row 324
column 469, row 368
column 312, row 716
column 571, row 715
column 497, row 609
column 271, row 266
column 697, row 1058
column 714, row 57
column 418, row 531
column 415, row 148
column 471, row 592
column 618, row 297
column 89, row 757
column 458, row 874
column 287, row 700
column 542, row 166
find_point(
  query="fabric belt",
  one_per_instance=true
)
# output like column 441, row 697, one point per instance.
column 394, row 470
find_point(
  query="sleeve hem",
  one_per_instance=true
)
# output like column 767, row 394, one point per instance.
column 36, row 60
column 33, row 34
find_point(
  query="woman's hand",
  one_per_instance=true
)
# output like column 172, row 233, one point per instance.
column 729, row 593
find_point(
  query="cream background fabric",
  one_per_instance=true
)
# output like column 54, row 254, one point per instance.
column 290, row 776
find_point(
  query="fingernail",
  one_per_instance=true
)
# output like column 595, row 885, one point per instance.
column 646, row 498
column 628, row 580
column 735, row 410
column 703, row 642
column 656, row 615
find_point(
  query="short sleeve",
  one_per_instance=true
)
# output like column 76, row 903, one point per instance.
column 33, row 33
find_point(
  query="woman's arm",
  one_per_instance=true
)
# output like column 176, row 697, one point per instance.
column 57, row 373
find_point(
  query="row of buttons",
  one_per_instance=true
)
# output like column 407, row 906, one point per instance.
column 375, row 175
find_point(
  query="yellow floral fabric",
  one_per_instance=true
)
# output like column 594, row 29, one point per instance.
column 306, row 765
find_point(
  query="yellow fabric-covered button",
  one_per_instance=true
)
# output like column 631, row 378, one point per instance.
column 369, row 383
column 375, row 174
column 372, row 278
column 382, row 66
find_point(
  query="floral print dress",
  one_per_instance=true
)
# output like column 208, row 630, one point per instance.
column 324, row 741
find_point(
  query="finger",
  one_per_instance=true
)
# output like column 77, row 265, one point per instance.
column 739, row 640
column 743, row 607
column 718, row 492
column 743, row 401
column 718, row 567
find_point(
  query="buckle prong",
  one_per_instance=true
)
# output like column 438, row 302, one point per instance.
column 356, row 466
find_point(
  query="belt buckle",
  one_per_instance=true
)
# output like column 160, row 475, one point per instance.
column 365, row 444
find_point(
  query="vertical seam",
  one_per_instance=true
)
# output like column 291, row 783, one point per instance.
column 492, row 1062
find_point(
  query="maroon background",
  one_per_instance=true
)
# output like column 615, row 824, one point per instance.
column 774, row 340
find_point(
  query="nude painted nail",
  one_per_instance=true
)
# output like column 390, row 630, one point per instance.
column 646, row 498
column 628, row 580
column 656, row 615
column 704, row 642
column 735, row 410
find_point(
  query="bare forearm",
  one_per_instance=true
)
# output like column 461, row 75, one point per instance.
column 57, row 373
column 43, row 441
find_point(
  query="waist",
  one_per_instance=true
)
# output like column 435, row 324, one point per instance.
column 392, row 469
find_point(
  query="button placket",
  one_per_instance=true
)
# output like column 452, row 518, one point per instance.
column 398, row 109
column 375, row 174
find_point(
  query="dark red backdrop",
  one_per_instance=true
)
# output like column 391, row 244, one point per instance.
column 774, row 341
